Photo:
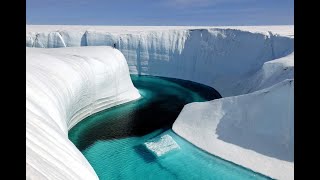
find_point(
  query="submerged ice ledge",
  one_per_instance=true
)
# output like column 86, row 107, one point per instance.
column 63, row 86
column 232, row 60
column 162, row 145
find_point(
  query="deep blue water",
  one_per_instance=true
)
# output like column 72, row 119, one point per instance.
column 113, row 140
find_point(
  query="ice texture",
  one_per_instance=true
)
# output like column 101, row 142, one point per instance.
column 163, row 145
column 254, row 130
column 251, row 67
column 218, row 57
column 63, row 86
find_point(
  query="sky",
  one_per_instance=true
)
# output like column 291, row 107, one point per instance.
column 160, row 12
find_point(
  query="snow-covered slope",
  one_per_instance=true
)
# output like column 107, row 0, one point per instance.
column 64, row 86
column 218, row 57
column 254, row 130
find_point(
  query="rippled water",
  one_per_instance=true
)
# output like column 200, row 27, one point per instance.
column 114, row 140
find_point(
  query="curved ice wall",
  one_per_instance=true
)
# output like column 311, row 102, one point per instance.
column 255, row 130
column 232, row 61
column 220, row 58
column 64, row 86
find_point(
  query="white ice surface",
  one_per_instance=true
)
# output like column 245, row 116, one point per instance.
column 284, row 30
column 63, row 86
column 254, row 130
column 235, row 60
column 220, row 57
column 271, row 72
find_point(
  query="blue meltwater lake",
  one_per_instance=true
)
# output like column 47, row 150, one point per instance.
column 135, row 140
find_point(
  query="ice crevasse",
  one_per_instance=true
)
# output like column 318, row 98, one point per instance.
column 64, row 86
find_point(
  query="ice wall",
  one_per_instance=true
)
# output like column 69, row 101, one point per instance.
column 272, row 72
column 220, row 58
column 254, row 130
column 64, row 86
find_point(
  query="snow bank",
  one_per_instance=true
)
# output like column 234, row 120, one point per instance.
column 255, row 130
column 63, row 86
column 218, row 57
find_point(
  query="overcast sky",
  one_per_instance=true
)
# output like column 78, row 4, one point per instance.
column 160, row 12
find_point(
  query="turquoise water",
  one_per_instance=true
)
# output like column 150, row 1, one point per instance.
column 113, row 140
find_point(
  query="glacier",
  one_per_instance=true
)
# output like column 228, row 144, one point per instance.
column 63, row 86
column 218, row 57
column 254, row 130
column 251, row 67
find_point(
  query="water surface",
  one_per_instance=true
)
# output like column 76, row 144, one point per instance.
column 113, row 140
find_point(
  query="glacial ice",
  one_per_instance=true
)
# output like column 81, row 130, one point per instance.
column 162, row 145
column 251, row 67
column 63, row 86
column 271, row 72
column 254, row 130
column 217, row 57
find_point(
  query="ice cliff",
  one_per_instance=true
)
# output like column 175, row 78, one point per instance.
column 220, row 58
column 251, row 67
column 254, row 130
column 63, row 86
